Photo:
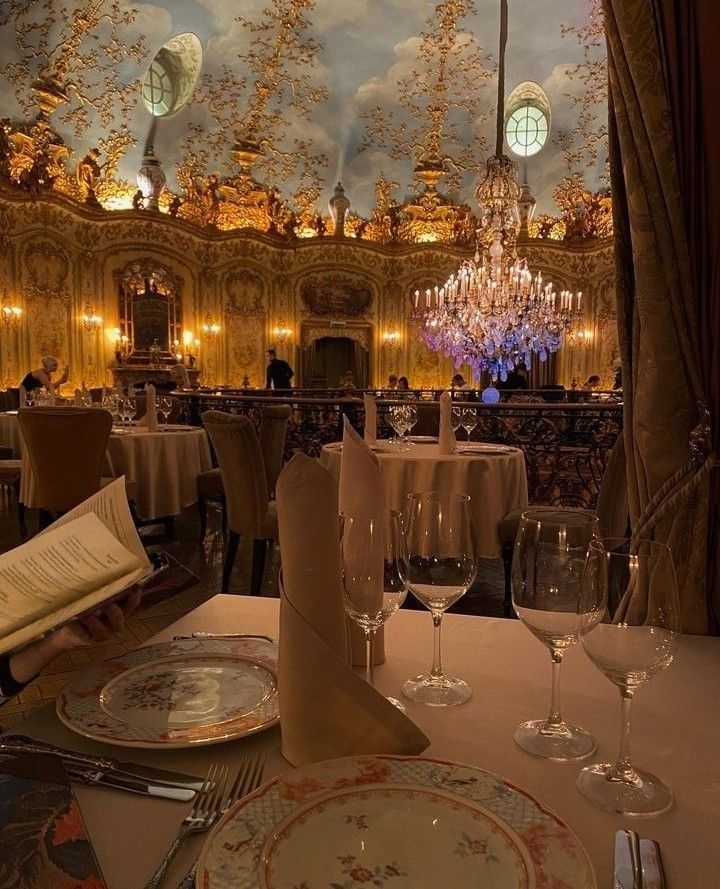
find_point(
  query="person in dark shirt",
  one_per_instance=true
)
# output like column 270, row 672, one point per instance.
column 279, row 372
column 41, row 378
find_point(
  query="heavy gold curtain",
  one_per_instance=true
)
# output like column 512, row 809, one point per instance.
column 667, row 424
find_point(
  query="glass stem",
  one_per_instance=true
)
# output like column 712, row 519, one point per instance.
column 555, row 721
column 623, row 769
column 437, row 670
column 369, row 656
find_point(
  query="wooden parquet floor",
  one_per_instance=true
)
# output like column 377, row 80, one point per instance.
column 205, row 560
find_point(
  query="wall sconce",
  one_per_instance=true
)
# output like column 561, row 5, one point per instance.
column 282, row 332
column 391, row 338
column 90, row 320
column 10, row 315
column 209, row 328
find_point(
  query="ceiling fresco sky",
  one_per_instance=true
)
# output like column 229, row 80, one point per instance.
column 366, row 46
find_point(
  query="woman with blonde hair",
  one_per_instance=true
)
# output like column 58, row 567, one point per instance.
column 41, row 378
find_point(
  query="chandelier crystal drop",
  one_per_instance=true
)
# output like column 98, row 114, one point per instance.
column 494, row 314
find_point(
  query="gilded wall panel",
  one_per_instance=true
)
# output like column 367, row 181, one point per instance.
column 244, row 318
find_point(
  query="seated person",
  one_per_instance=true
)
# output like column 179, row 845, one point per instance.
column 403, row 388
column 18, row 668
column 41, row 378
column 592, row 382
column 392, row 382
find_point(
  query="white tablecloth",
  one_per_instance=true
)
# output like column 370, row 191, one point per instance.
column 496, row 483
column 10, row 436
column 164, row 465
column 676, row 724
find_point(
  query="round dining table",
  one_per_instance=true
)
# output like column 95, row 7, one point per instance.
column 164, row 466
column 493, row 475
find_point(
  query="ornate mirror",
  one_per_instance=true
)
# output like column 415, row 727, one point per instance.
column 150, row 310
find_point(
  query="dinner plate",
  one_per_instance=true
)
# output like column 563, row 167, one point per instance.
column 472, row 447
column 423, row 439
column 367, row 821
column 176, row 694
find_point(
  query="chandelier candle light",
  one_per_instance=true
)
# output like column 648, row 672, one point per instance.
column 494, row 314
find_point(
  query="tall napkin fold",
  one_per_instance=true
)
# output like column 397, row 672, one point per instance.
column 150, row 419
column 370, row 419
column 22, row 397
column 362, row 496
column 446, row 440
column 78, row 398
column 326, row 709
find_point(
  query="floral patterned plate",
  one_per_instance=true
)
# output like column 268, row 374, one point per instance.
column 176, row 694
column 404, row 837
column 247, row 843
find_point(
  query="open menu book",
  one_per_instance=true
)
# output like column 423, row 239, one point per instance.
column 88, row 557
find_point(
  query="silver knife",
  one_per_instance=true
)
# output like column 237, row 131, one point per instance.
column 72, row 758
column 224, row 636
column 653, row 875
column 624, row 871
column 120, row 781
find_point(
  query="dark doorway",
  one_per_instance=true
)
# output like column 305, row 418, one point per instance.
column 327, row 360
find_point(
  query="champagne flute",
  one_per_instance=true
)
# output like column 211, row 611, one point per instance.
column 440, row 568
column 548, row 561
column 630, row 627
column 373, row 587
column 469, row 420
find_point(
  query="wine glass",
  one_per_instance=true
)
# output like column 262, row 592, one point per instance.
column 548, row 560
column 456, row 418
column 129, row 409
column 410, row 417
column 397, row 421
column 164, row 407
column 373, row 586
column 469, row 420
column 630, row 626
column 440, row 568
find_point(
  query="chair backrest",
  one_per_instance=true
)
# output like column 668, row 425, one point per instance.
column 612, row 503
column 272, row 432
column 241, row 466
column 66, row 449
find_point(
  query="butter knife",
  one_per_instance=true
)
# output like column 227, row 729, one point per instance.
column 120, row 781
column 628, row 872
column 653, row 875
column 224, row 636
column 72, row 758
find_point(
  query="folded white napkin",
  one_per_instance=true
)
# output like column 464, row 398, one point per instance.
column 326, row 709
column 362, row 496
column 22, row 397
column 103, row 395
column 370, row 419
column 78, row 398
column 446, row 438
column 150, row 419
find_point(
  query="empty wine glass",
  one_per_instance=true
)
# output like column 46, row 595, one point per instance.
column 373, row 586
column 164, row 407
column 410, row 417
column 456, row 418
column 397, row 417
column 548, row 560
column 440, row 568
column 130, row 410
column 629, row 625
column 469, row 420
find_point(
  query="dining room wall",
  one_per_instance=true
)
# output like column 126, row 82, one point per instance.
column 60, row 260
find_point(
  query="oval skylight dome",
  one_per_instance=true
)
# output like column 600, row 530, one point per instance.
column 527, row 119
column 172, row 75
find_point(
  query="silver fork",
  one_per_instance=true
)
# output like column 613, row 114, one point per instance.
column 249, row 778
column 202, row 815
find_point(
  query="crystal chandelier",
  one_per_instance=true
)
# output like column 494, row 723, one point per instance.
column 494, row 314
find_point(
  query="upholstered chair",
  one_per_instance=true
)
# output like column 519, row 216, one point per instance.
column 272, row 433
column 65, row 447
column 611, row 510
column 10, row 469
column 249, row 510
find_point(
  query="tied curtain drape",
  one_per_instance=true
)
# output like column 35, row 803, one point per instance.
column 666, row 204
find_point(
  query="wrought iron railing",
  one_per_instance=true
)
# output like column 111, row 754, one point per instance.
column 566, row 446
